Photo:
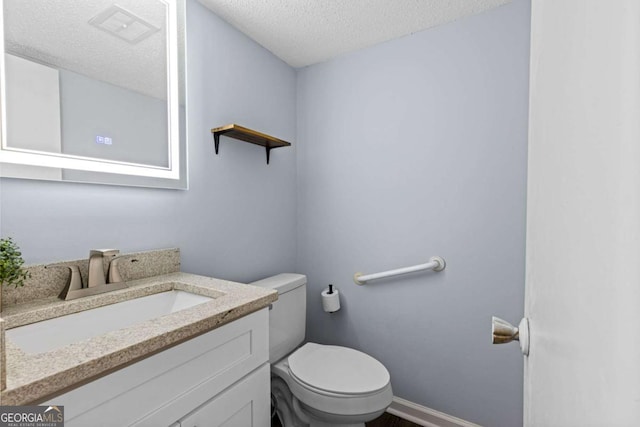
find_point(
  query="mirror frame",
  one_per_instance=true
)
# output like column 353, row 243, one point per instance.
column 172, row 172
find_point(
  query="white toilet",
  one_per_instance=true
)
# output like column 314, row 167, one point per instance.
column 318, row 385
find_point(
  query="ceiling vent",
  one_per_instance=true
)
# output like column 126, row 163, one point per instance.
column 123, row 24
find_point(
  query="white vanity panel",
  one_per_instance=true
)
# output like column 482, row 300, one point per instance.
column 246, row 404
column 165, row 387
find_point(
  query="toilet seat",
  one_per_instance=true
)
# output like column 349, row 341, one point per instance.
column 305, row 371
column 336, row 370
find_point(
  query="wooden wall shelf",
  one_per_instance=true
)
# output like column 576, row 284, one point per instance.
column 248, row 135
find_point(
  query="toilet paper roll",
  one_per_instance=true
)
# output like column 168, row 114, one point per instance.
column 330, row 302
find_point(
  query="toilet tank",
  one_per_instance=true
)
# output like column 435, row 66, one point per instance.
column 287, row 315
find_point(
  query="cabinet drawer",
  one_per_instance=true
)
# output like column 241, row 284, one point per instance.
column 246, row 404
column 163, row 387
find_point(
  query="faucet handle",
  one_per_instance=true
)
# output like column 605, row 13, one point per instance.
column 114, row 273
column 75, row 279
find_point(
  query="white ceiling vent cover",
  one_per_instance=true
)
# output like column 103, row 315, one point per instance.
column 123, row 24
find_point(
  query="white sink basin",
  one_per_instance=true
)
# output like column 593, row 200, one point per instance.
column 54, row 333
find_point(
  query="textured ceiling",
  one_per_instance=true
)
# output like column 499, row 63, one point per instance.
column 301, row 32
column 304, row 32
column 58, row 33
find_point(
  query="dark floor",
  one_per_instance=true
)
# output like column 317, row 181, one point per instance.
column 386, row 420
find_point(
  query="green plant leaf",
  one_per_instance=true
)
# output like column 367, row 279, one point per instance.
column 11, row 262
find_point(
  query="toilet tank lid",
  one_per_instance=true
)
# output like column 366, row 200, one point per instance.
column 283, row 282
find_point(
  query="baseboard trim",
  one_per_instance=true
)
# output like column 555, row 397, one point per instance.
column 424, row 416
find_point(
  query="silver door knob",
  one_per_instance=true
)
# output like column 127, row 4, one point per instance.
column 503, row 332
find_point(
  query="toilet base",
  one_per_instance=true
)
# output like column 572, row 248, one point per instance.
column 327, row 425
column 290, row 413
column 283, row 402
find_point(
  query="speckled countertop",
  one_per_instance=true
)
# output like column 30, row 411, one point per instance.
column 32, row 378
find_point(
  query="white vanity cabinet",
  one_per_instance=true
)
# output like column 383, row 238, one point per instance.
column 220, row 378
column 245, row 404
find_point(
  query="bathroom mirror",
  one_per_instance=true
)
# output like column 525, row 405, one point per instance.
column 93, row 91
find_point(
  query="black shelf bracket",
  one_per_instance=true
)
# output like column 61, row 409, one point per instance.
column 216, row 141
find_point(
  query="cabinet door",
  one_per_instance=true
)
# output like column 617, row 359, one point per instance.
column 245, row 404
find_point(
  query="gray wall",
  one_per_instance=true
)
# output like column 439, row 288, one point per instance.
column 238, row 219
column 413, row 148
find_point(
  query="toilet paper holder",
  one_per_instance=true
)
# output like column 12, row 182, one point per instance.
column 330, row 300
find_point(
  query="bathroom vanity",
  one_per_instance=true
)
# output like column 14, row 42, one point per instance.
column 203, row 362
column 216, row 379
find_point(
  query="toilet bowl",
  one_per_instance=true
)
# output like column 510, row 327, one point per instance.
column 334, row 384
column 318, row 385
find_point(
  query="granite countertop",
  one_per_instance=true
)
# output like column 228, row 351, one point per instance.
column 33, row 378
